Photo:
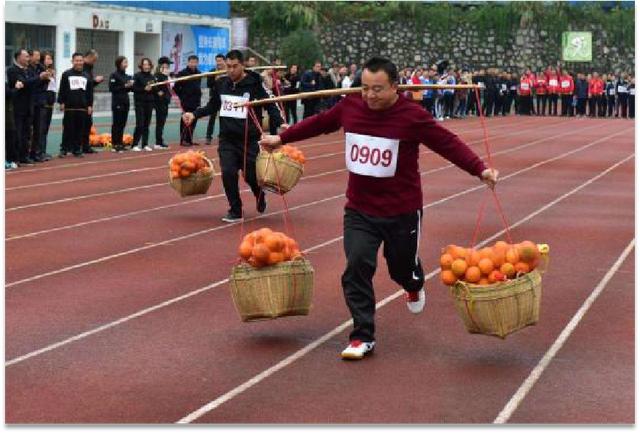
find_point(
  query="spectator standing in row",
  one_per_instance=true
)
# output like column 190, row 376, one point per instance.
column 310, row 82
column 541, row 94
column 49, row 102
column 76, row 102
column 211, row 123
column 90, row 59
column 553, row 88
column 566, row 90
column 143, row 101
column 427, row 94
column 189, row 93
column 632, row 98
column 38, row 101
column 596, row 90
column 610, row 94
column 291, row 86
column 120, row 84
column 622, row 93
column 581, row 92
column 489, row 93
column 162, row 99
column 524, row 94
column 11, row 156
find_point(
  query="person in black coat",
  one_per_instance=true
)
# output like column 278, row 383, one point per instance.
column 120, row 84
column 291, row 86
column 190, row 94
column 622, row 93
column 310, row 82
column 161, row 100
column 143, row 101
column 632, row 98
column 237, row 86
column 581, row 91
column 220, row 66
column 38, row 101
column 90, row 59
column 49, row 101
column 11, row 156
column 22, row 79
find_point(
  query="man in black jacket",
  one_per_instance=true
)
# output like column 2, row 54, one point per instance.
column 76, row 102
column 38, row 101
column 237, row 86
column 90, row 59
column 21, row 78
column 161, row 100
column 190, row 94
column 581, row 91
column 310, row 82
column 220, row 66
column 120, row 84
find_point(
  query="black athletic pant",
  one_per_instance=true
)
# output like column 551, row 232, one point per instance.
column 310, row 107
column 144, row 110
column 581, row 106
column 594, row 104
column 506, row 105
column 427, row 103
column 553, row 104
column 525, row 104
column 162, row 111
column 541, row 105
column 611, row 106
column 487, row 108
column 73, row 134
column 471, row 103
column 231, row 153
column 566, row 105
column 120, row 114
column 623, row 100
column 23, row 129
column 11, row 147
column 45, row 123
column 186, row 132
column 448, row 104
column 602, row 106
column 211, row 124
column 632, row 106
column 291, row 111
column 363, row 235
column 88, row 123
column 499, row 102
column 36, row 131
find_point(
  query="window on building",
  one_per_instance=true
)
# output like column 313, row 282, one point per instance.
column 28, row 36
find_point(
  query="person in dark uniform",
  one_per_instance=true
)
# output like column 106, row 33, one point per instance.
column 310, row 82
column 22, row 80
column 291, row 87
column 76, row 102
column 632, row 98
column 622, row 93
column 49, row 102
column 490, row 93
column 120, row 84
column 90, row 59
column 38, row 101
column 610, row 94
column 190, row 94
column 237, row 86
column 161, row 100
column 220, row 66
column 143, row 100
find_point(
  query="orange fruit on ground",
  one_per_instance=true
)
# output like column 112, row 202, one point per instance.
column 459, row 267
column 528, row 251
column 508, row 269
column 445, row 261
column 448, row 277
column 473, row 274
column 260, row 252
column 522, row 267
column 473, row 257
column 512, row 256
column 245, row 250
column 486, row 266
column 483, row 282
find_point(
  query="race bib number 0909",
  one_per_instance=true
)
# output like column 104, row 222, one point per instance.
column 228, row 110
column 371, row 156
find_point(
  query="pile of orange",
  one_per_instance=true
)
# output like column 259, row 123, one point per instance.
column 188, row 163
column 291, row 152
column 265, row 247
column 99, row 140
column 488, row 265
column 127, row 139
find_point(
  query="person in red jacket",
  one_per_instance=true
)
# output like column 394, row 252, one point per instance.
column 553, row 88
column 541, row 94
column 566, row 90
column 596, row 92
column 383, row 131
column 525, row 94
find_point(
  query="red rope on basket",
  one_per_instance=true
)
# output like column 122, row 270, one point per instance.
column 493, row 192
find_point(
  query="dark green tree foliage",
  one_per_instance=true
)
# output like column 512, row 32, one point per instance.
column 301, row 47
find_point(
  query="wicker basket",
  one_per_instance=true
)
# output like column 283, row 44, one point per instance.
column 501, row 308
column 277, row 175
column 275, row 291
column 195, row 184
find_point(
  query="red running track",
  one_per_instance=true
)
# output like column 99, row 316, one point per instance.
column 118, row 311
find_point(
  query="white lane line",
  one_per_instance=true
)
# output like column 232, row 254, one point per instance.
column 535, row 374
column 326, row 173
column 82, row 197
column 201, row 232
column 308, row 348
column 313, row 248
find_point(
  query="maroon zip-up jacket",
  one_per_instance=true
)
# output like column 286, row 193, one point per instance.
column 405, row 121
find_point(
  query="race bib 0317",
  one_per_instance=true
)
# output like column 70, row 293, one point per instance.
column 228, row 110
column 371, row 156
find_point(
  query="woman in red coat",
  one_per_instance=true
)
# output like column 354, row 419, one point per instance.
column 541, row 94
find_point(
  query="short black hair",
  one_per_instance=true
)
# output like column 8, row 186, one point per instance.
column 91, row 52
column 33, row 51
column 18, row 52
column 192, row 56
column 76, row 54
column 220, row 56
column 235, row 55
column 376, row 64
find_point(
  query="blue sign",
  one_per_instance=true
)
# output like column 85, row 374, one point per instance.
column 179, row 41
column 209, row 42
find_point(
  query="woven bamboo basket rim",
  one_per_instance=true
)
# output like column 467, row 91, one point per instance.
column 286, row 160
column 193, row 176
column 474, row 292
column 246, row 268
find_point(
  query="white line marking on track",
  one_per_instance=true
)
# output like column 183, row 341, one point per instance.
column 205, row 231
column 334, row 332
column 535, row 374
column 308, row 250
column 155, row 185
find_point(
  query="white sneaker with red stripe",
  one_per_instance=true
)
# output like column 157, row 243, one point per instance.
column 416, row 301
column 358, row 349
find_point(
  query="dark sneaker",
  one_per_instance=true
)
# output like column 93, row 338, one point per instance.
column 78, row 155
column 90, row 150
column 358, row 349
column 26, row 161
column 62, row 154
column 186, row 144
column 231, row 218
column 261, row 202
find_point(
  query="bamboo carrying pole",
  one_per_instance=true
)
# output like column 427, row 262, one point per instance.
column 336, row 92
column 212, row 73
